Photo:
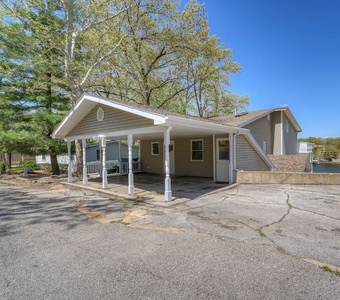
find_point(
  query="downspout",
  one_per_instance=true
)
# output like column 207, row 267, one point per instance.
column 234, row 150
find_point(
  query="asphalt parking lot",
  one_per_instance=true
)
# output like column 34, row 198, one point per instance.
column 250, row 242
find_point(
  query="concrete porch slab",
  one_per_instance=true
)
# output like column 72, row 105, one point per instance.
column 149, row 188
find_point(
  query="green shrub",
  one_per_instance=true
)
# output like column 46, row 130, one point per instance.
column 15, row 170
column 45, row 167
column 63, row 168
column 32, row 166
column 2, row 167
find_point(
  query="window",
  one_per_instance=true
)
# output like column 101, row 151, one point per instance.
column 223, row 150
column 98, row 154
column 43, row 157
column 197, row 150
column 287, row 127
column 154, row 148
column 264, row 147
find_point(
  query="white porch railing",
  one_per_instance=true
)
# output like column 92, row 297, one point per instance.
column 114, row 167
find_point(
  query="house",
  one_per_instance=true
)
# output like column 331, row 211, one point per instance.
column 114, row 151
column 173, row 143
column 63, row 159
column 275, row 130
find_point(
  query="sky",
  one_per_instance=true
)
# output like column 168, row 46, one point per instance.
column 289, row 51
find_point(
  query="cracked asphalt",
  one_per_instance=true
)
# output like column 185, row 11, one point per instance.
column 250, row 242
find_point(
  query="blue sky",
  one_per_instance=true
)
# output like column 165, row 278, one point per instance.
column 290, row 55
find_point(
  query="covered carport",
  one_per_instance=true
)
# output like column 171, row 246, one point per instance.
column 101, row 119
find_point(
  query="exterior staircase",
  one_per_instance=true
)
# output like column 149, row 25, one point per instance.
column 292, row 163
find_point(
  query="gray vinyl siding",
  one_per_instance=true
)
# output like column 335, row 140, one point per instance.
column 114, row 120
column 290, row 138
column 183, row 164
column 247, row 158
column 276, row 133
column 261, row 131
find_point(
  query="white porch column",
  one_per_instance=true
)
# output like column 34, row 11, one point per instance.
column 69, row 169
column 231, row 160
column 131, row 183
column 214, row 158
column 104, row 176
column 167, row 192
column 84, row 163
column 120, row 155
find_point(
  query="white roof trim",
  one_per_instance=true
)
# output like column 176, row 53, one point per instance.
column 286, row 110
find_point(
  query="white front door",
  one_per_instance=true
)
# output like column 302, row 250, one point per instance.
column 222, row 159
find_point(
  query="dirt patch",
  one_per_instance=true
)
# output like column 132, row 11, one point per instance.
column 127, row 220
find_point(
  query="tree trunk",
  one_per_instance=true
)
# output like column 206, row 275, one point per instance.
column 8, row 160
column 54, row 164
column 79, row 156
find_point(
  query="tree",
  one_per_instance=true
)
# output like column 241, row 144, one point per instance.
column 87, row 43
column 168, row 60
column 32, row 88
column 61, row 34
column 143, row 51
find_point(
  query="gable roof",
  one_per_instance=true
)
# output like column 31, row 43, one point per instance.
column 242, row 120
column 160, row 117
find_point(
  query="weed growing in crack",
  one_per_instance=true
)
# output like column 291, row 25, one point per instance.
column 260, row 232
column 120, row 222
column 328, row 269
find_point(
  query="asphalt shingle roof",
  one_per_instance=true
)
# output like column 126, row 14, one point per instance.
column 239, row 120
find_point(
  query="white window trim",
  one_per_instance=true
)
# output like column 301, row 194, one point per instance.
column 152, row 153
column 196, row 140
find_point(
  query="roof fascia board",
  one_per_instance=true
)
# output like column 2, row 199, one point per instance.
column 67, row 117
column 291, row 117
column 190, row 123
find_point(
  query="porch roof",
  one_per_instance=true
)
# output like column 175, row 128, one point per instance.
column 182, row 125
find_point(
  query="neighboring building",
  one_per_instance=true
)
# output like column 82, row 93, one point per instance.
column 305, row 147
column 173, row 143
column 46, row 159
column 16, row 158
column 93, row 155
column 43, row 159
column 112, row 151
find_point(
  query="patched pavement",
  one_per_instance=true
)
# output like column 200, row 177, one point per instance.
column 249, row 242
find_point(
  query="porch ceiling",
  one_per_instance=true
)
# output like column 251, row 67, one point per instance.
column 179, row 132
